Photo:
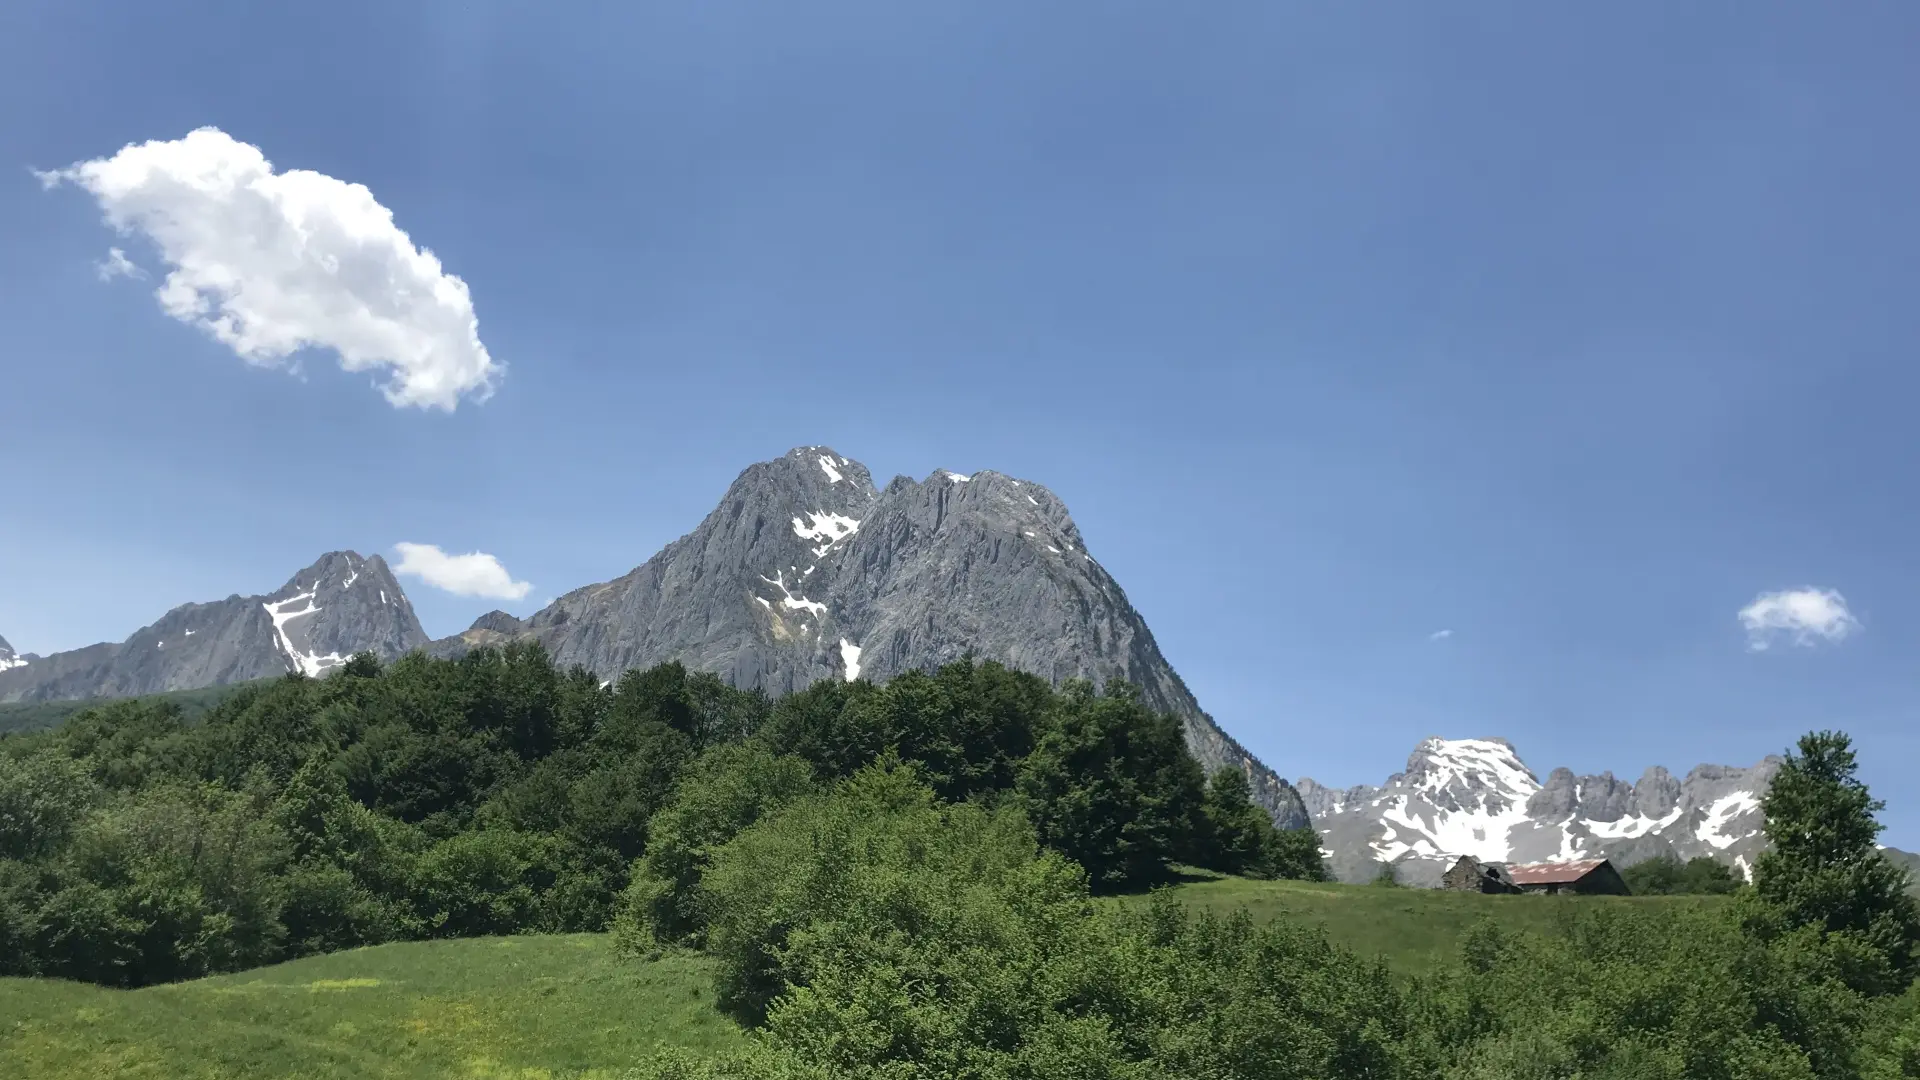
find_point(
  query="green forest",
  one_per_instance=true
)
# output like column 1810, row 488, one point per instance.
column 955, row 874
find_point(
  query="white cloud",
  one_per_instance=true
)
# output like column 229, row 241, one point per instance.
column 1440, row 635
column 116, row 265
column 473, row 574
column 269, row 263
column 1803, row 616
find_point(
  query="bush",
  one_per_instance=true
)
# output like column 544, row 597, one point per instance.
column 728, row 789
column 880, row 933
column 1668, row 876
column 485, row 882
column 1629, row 993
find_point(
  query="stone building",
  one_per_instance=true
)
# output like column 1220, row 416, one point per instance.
column 1469, row 874
column 1587, row 877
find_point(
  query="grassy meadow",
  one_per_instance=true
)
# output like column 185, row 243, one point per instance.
column 1411, row 928
column 550, row 1006
column 482, row 1008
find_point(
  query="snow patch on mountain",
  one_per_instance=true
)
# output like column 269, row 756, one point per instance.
column 825, row 526
column 790, row 601
column 8, row 658
column 1724, row 811
column 286, row 614
column 850, row 658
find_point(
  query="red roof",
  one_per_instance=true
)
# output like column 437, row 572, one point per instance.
column 1554, row 873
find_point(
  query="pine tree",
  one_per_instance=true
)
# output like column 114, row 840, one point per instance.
column 1824, row 871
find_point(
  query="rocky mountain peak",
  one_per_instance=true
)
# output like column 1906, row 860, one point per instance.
column 9, row 658
column 805, row 571
column 342, row 604
column 1457, row 774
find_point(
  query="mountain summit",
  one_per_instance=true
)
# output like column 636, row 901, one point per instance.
column 340, row 605
column 806, row 571
column 1476, row 797
column 10, row 659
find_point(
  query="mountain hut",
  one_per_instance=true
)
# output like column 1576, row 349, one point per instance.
column 1587, row 877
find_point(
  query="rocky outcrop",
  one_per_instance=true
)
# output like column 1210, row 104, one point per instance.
column 340, row 605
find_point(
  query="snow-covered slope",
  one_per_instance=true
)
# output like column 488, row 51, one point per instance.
column 8, row 658
column 1477, row 797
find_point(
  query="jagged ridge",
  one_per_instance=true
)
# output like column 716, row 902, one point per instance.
column 340, row 605
column 1476, row 797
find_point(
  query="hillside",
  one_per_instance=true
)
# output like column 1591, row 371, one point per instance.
column 566, row 1005
column 1413, row 929
column 476, row 1008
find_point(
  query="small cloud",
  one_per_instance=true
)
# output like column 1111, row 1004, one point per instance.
column 1804, row 616
column 473, row 574
column 269, row 263
column 1440, row 635
column 117, row 265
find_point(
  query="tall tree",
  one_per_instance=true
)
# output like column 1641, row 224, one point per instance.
column 1824, row 871
column 1235, row 834
column 1110, row 784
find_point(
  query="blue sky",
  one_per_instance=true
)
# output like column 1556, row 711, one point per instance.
column 1571, row 334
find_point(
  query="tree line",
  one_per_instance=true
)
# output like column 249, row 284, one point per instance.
column 498, row 793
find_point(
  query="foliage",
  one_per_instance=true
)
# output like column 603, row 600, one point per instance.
column 498, row 793
column 1618, row 994
column 727, row 790
column 881, row 932
column 1666, row 875
column 1823, row 872
column 1234, row 836
column 1111, row 785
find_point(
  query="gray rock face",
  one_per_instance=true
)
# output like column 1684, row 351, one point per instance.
column 806, row 571
column 8, row 658
column 1476, row 797
column 340, row 605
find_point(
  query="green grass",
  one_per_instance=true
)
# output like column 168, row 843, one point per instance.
column 567, row 1006
column 1412, row 928
column 523, row 1007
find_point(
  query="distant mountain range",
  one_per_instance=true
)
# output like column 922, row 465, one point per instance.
column 1476, row 797
column 340, row 605
column 805, row 571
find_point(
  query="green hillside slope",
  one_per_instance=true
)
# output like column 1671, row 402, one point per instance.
column 535, row 1006
column 1412, row 928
